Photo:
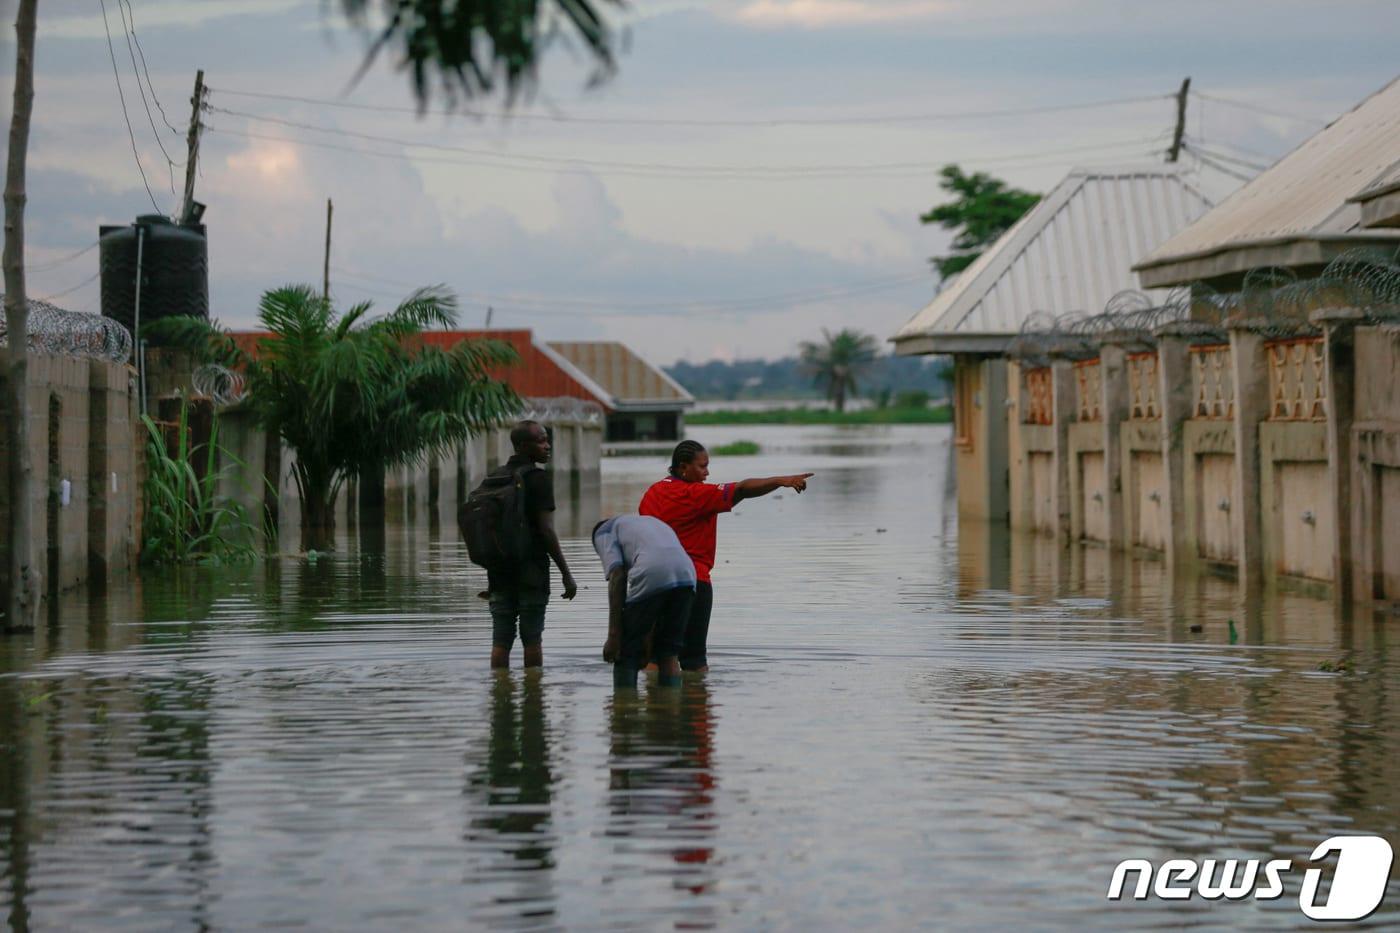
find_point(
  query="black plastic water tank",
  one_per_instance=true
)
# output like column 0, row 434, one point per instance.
column 174, row 270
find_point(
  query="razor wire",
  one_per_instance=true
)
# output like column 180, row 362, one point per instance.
column 53, row 330
column 219, row 384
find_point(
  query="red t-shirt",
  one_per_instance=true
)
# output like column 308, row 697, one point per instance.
column 692, row 510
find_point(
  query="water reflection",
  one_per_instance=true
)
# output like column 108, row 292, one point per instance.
column 509, row 807
column 661, row 798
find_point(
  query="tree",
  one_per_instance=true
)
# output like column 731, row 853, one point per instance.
column 838, row 361
column 982, row 210
column 21, row 592
column 350, row 394
column 471, row 46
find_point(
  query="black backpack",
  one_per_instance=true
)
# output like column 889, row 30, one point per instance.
column 493, row 521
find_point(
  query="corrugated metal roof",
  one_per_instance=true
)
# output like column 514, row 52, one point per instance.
column 1306, row 195
column 1380, row 201
column 1072, row 252
column 630, row 379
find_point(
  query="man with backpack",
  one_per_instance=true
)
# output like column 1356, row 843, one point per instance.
column 508, row 525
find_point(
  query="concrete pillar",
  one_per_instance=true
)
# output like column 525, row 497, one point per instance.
column 1117, row 400
column 1065, row 413
column 997, row 463
column 1250, row 369
column 1339, row 326
column 1176, row 401
column 1019, row 486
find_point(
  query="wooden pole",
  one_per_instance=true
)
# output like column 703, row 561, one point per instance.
column 192, row 145
column 1180, row 120
column 326, row 269
column 21, row 597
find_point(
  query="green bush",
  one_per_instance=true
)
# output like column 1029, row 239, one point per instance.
column 911, row 398
column 938, row 415
column 736, row 449
column 185, row 521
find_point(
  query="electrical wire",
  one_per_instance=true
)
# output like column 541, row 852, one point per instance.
column 68, row 291
column 1218, row 166
column 663, row 121
column 122, row 97
column 1244, row 105
column 1224, row 156
column 169, row 162
column 710, row 304
column 596, row 163
column 132, row 29
column 565, row 166
column 55, row 263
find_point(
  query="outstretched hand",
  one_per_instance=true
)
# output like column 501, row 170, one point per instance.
column 797, row 481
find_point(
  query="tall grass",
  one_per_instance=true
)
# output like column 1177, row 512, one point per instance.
column 186, row 521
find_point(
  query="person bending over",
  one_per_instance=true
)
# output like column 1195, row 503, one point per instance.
column 651, row 585
column 692, row 507
column 519, row 596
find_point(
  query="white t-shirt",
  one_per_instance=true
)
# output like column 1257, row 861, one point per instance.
column 650, row 551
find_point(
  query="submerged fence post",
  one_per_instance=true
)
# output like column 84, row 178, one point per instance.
column 1113, row 383
column 1339, row 326
column 1250, row 366
column 1174, row 393
column 1062, row 375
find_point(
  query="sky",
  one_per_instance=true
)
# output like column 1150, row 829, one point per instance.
column 752, row 173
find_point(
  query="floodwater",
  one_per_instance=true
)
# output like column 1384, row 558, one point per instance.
column 904, row 727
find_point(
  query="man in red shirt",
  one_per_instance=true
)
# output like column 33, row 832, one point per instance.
column 691, row 507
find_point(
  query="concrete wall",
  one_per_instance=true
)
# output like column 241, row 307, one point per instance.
column 1375, row 473
column 1143, row 481
column 1088, row 497
column 980, row 437
column 1297, row 524
column 86, row 463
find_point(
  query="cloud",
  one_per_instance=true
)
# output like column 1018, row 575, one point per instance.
column 817, row 14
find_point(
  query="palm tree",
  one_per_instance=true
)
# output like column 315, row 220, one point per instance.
column 838, row 362
column 351, row 394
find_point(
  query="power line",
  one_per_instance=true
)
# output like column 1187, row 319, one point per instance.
column 611, row 308
column 122, row 97
column 169, row 162
column 667, row 121
column 1218, row 166
column 1225, row 156
column 1244, row 105
column 774, row 173
column 597, row 163
column 68, row 291
column 55, row 263
column 132, row 29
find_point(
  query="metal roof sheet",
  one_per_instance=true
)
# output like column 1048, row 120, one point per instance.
column 1071, row 252
column 1308, row 194
column 630, row 379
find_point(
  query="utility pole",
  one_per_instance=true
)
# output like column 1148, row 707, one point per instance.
column 1180, row 120
column 21, row 594
column 192, row 144
column 326, row 269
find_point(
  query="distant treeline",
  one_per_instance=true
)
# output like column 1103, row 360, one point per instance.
column 761, row 379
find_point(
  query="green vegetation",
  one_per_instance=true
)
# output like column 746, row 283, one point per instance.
column 838, row 362
column 185, row 520
column 982, row 209
column 352, row 394
column 736, row 449
column 940, row 414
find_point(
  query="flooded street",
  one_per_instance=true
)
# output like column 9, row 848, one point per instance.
column 904, row 726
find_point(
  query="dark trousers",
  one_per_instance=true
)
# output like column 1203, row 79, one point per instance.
column 697, row 628
column 663, row 616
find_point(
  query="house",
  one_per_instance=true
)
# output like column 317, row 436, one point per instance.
column 643, row 403
column 1070, row 254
